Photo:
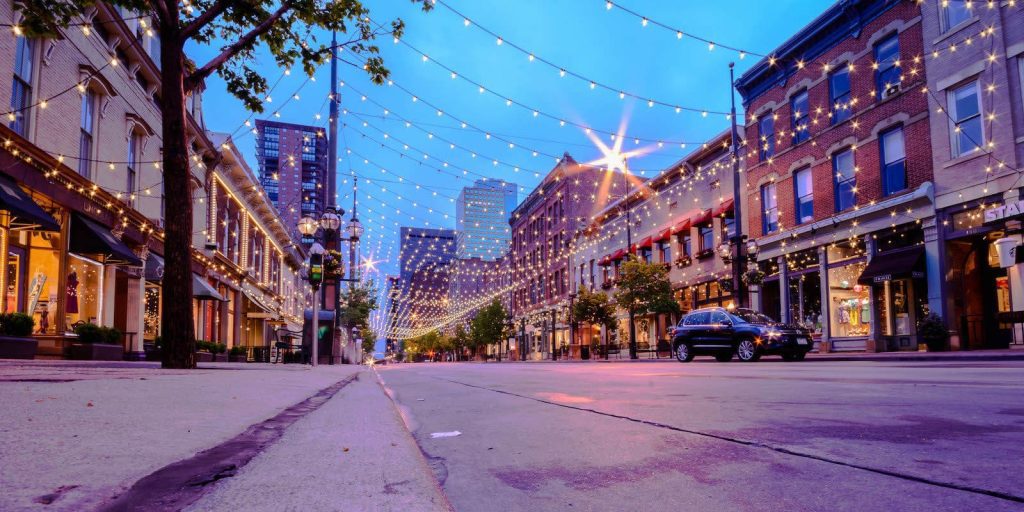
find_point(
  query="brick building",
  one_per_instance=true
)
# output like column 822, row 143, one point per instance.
column 977, row 134
column 292, row 159
column 679, row 217
column 840, row 185
column 542, row 227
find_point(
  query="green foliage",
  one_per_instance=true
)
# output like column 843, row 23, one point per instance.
column 593, row 308
column 294, row 32
column 645, row 288
column 425, row 345
column 488, row 325
column 932, row 328
column 369, row 341
column 237, row 351
column 357, row 304
column 92, row 333
column 16, row 324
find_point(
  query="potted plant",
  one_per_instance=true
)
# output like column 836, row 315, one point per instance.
column 219, row 351
column 932, row 330
column 238, row 354
column 683, row 261
column 204, row 351
column 753, row 277
column 16, row 341
column 96, row 343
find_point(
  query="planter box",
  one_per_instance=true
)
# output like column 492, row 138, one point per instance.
column 12, row 347
column 95, row 352
column 241, row 358
column 204, row 357
column 220, row 358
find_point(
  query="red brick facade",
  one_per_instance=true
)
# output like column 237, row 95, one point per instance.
column 868, row 117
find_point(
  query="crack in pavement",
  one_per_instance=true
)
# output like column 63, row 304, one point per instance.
column 758, row 444
column 181, row 483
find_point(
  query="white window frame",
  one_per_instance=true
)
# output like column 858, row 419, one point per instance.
column 954, row 139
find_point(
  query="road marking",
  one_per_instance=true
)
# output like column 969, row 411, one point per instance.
column 453, row 433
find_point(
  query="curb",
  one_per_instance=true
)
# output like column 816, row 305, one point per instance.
column 910, row 357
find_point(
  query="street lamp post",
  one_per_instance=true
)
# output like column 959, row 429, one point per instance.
column 328, row 225
column 739, row 259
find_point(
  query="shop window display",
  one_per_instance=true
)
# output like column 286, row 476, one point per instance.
column 83, row 291
column 151, row 318
column 43, row 278
column 849, row 302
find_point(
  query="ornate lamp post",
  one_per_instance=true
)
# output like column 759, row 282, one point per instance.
column 308, row 226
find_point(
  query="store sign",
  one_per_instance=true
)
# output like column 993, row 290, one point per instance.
column 1004, row 211
column 916, row 274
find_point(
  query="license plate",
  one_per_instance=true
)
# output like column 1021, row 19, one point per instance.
column 801, row 341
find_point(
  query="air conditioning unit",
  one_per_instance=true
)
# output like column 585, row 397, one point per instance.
column 891, row 90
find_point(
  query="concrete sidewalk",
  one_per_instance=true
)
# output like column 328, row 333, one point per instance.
column 74, row 435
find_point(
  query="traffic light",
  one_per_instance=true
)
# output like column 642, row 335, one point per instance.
column 316, row 269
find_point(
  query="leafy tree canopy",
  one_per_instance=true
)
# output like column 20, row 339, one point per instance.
column 593, row 308
column 645, row 288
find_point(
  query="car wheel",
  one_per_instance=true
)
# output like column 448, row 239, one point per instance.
column 723, row 357
column 683, row 353
column 746, row 351
column 788, row 356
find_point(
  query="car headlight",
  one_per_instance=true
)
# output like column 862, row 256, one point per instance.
column 770, row 333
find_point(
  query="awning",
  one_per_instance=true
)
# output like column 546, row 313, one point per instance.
column 724, row 208
column 645, row 243
column 701, row 217
column 202, row 290
column 665, row 235
column 682, row 227
column 25, row 213
column 154, row 268
column 259, row 303
column 91, row 237
column 605, row 261
column 899, row 264
column 618, row 255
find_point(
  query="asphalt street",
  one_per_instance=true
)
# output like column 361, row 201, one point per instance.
column 929, row 436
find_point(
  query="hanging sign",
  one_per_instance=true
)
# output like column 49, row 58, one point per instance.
column 1005, row 210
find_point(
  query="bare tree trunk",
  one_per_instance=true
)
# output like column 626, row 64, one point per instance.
column 176, row 321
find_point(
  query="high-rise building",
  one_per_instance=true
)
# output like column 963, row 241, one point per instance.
column 421, row 297
column 482, row 214
column 292, row 160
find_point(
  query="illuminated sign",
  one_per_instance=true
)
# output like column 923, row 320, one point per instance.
column 1004, row 211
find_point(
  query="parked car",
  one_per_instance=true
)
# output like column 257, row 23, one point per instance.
column 723, row 332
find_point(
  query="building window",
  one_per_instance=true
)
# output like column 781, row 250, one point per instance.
column 887, row 60
column 728, row 227
column 665, row 249
column 839, row 92
column 845, row 179
column 954, row 12
column 706, row 237
column 134, row 144
column 804, row 192
column 965, row 115
column 894, row 167
column 800, row 107
column 21, row 93
column 770, row 209
column 686, row 243
column 766, row 126
column 87, row 124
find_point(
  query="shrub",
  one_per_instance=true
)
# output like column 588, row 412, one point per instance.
column 111, row 335
column 90, row 333
column 204, row 346
column 219, row 348
column 237, row 351
column 931, row 327
column 16, row 324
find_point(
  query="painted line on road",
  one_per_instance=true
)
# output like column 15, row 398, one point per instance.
column 180, row 484
column 758, row 444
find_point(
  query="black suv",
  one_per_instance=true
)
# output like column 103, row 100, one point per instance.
column 722, row 332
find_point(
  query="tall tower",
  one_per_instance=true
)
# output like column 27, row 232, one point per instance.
column 481, row 215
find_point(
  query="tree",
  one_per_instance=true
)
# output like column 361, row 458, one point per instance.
column 593, row 308
column 644, row 288
column 488, row 325
column 286, row 28
column 369, row 341
column 461, row 340
column 357, row 303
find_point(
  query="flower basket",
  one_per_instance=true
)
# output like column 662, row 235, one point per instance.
column 683, row 261
column 753, row 277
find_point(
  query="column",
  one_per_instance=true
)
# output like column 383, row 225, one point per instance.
column 826, row 310
column 874, row 330
column 135, row 311
column 934, row 258
column 109, row 295
column 784, row 290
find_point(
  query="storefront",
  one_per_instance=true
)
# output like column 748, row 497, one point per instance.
column 64, row 269
column 977, row 292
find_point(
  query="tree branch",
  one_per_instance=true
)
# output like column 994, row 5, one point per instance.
column 233, row 49
column 204, row 19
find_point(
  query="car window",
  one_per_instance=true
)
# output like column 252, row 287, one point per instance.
column 719, row 317
column 699, row 318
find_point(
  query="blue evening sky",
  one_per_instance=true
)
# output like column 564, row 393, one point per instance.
column 611, row 47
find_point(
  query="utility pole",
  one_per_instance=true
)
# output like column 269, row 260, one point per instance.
column 629, row 251
column 739, row 260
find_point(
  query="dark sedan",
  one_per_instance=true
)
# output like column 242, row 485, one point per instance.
column 747, row 334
